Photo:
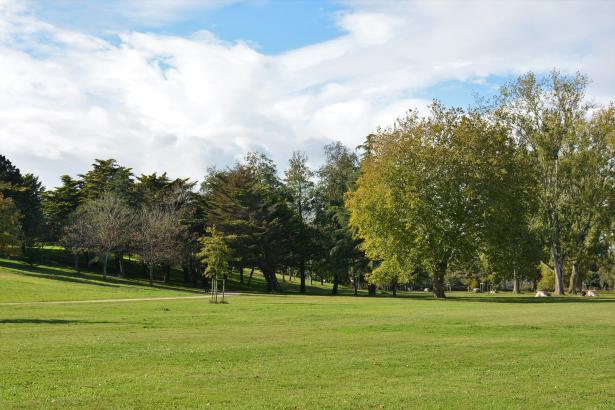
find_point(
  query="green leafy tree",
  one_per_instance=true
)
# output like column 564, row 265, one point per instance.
column 26, row 191
column 215, row 254
column 547, row 117
column 425, row 190
column 10, row 227
column 108, row 176
column 57, row 204
column 300, row 186
column 511, row 246
column 589, row 177
column 247, row 203
column 340, row 250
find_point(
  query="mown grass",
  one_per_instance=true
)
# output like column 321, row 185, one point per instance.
column 55, row 261
column 297, row 351
column 22, row 283
column 55, row 282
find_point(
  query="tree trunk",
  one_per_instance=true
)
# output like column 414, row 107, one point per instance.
column 302, row 275
column 394, row 287
column 194, row 272
column 558, row 260
column 241, row 275
column 167, row 273
column 272, row 281
column 516, row 288
column 120, row 265
column 251, row 273
column 77, row 263
column 151, row 275
column 335, row 284
column 438, row 280
column 355, row 281
column 104, row 261
column 371, row 289
column 574, row 276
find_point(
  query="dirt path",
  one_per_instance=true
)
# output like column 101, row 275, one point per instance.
column 59, row 302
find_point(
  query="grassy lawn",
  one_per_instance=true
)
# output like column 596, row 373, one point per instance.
column 469, row 351
column 21, row 283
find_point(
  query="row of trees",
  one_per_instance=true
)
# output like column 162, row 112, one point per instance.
column 291, row 224
column 520, row 188
column 526, row 180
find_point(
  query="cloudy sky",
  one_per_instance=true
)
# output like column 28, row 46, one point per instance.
column 181, row 85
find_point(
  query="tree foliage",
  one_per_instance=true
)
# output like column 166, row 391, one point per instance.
column 427, row 192
column 10, row 227
column 215, row 255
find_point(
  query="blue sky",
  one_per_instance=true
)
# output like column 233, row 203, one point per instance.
column 272, row 26
column 181, row 85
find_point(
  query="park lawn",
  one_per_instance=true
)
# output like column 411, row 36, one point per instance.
column 311, row 352
column 22, row 283
column 55, row 282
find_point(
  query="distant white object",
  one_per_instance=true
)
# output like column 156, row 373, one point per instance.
column 493, row 291
column 542, row 294
column 426, row 290
column 591, row 293
column 476, row 290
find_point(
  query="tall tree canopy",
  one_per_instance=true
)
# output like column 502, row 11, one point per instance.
column 109, row 225
column 108, row 176
column 10, row 227
column 300, row 186
column 548, row 117
column 339, row 249
column 59, row 203
column 25, row 191
column 247, row 204
column 425, row 190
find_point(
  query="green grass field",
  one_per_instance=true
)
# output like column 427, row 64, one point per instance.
column 292, row 351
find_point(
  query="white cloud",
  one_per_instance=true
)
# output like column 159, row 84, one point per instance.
column 167, row 103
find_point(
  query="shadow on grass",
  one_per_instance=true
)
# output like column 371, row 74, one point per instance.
column 46, row 321
column 50, row 273
column 62, row 274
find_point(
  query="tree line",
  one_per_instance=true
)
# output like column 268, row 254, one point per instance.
column 267, row 222
column 518, row 188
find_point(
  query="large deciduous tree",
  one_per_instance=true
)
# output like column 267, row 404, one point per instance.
column 425, row 191
column 75, row 235
column 548, row 118
column 110, row 225
column 589, row 184
column 158, row 237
